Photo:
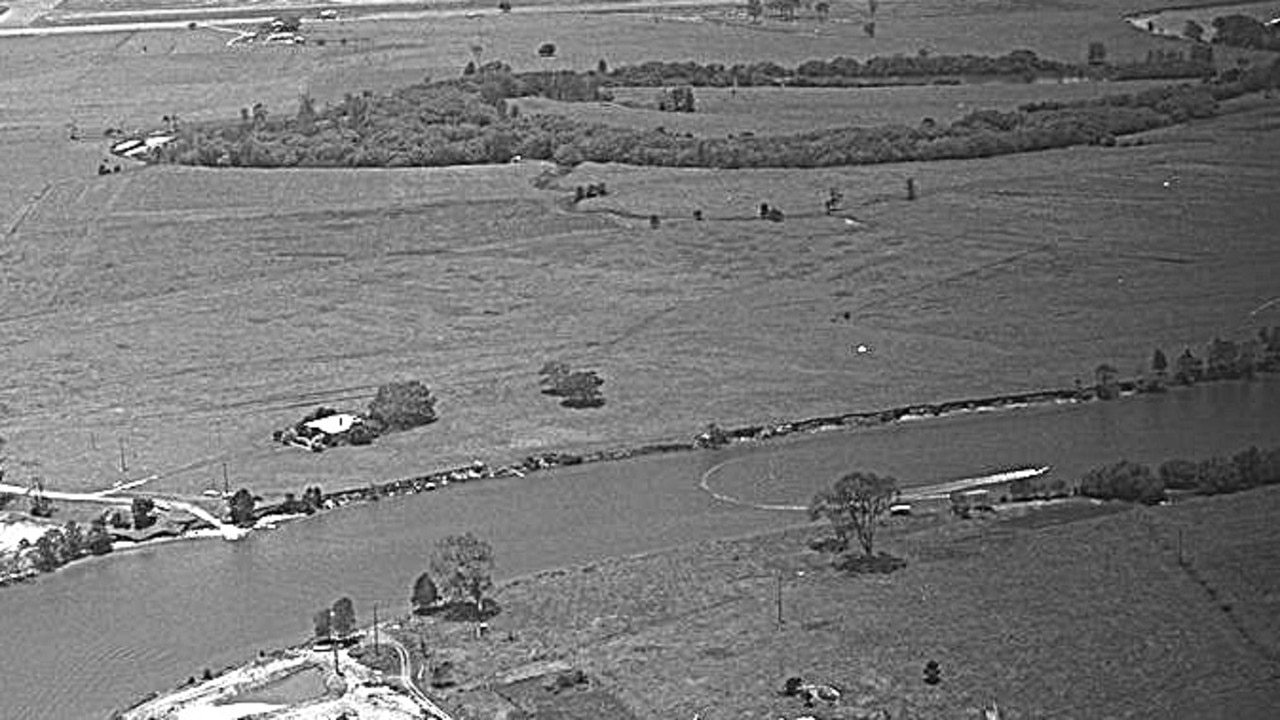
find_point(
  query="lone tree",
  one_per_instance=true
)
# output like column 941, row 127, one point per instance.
column 1107, row 384
column 344, row 617
column 403, row 405
column 242, row 506
column 142, row 509
column 464, row 566
column 853, row 505
column 1159, row 364
column 426, row 596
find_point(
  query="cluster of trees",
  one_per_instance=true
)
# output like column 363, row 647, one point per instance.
column 1245, row 32
column 336, row 623
column 57, row 547
column 449, row 124
column 1135, row 482
column 577, row 388
column 460, row 574
column 401, row 406
column 244, row 511
column 1223, row 360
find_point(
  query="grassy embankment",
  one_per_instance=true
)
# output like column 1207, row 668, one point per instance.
column 1052, row 614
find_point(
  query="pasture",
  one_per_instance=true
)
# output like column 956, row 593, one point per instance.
column 180, row 315
column 1075, row 618
column 780, row 111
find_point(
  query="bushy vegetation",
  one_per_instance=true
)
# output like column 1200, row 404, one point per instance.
column 55, row 548
column 468, row 121
column 402, row 406
column 463, row 567
column 1246, row 32
column 577, row 388
column 1123, row 481
column 1215, row 476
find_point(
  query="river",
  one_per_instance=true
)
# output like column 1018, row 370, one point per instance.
column 97, row 635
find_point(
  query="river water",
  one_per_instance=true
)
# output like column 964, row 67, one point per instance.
column 97, row 635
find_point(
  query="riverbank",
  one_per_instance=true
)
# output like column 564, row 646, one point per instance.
column 269, row 518
column 716, row 628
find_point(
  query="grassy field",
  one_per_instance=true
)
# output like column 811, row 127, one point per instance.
column 180, row 315
column 777, row 111
column 1083, row 614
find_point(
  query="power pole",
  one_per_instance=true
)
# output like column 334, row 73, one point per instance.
column 376, row 651
column 226, row 483
column 123, row 467
column 779, row 596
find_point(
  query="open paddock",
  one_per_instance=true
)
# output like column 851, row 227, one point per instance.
column 721, row 112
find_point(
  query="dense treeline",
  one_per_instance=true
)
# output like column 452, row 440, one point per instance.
column 469, row 121
column 1217, row 475
column 1019, row 64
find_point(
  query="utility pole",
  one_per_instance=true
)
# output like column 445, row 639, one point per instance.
column 123, row 466
column 226, row 483
column 779, row 596
column 376, row 651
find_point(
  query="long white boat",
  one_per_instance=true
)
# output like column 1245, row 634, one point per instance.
column 944, row 490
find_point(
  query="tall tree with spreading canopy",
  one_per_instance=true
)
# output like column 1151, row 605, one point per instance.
column 463, row 565
column 853, row 506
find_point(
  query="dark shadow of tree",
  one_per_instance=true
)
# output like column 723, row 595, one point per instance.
column 468, row 612
column 878, row 564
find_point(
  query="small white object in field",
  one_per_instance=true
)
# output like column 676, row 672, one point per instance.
column 862, row 349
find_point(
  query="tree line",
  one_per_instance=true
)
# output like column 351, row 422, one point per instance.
column 458, row 123
column 1135, row 482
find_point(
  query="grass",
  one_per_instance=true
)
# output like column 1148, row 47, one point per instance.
column 184, row 314
column 1084, row 615
column 777, row 111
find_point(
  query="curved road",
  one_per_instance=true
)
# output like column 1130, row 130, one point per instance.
column 406, row 679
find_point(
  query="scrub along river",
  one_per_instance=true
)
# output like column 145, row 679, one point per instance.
column 99, row 634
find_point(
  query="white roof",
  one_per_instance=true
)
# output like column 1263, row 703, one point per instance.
column 334, row 424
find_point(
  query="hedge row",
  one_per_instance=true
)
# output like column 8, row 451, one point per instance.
column 452, row 124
